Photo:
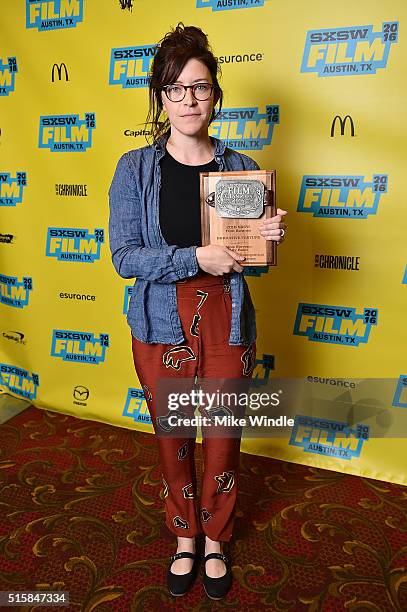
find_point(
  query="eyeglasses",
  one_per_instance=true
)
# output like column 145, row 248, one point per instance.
column 200, row 91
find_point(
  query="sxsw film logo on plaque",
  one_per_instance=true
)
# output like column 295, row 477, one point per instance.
column 345, row 197
column 14, row 292
column 84, row 347
column 246, row 128
column 348, row 50
column 74, row 244
column 8, row 71
column 334, row 324
column 19, row 381
column 227, row 5
column 330, row 438
column 129, row 66
column 53, row 15
column 66, row 132
column 11, row 188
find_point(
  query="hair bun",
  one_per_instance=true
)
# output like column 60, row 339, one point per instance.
column 186, row 36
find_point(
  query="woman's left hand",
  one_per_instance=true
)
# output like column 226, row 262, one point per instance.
column 271, row 228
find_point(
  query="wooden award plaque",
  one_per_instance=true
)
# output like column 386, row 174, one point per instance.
column 233, row 205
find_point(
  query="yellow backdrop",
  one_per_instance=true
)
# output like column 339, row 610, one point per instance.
column 73, row 95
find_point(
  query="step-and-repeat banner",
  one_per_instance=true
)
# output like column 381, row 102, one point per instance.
column 313, row 90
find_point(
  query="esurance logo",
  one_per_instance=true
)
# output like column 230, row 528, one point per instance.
column 227, row 5
column 246, row 128
column 66, row 132
column 326, row 437
column 11, row 189
column 80, row 346
column 136, row 406
column 400, row 395
column 355, row 50
column 45, row 15
column 19, row 381
column 8, row 71
column 334, row 324
column 14, row 292
column 350, row 196
column 129, row 66
column 74, row 244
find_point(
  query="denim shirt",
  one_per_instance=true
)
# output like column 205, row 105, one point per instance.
column 139, row 250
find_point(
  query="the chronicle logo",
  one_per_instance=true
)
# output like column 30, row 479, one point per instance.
column 46, row 15
column 66, row 132
column 334, row 324
column 246, row 128
column 136, row 406
column 129, row 66
column 330, row 438
column 81, row 346
column 336, row 262
column 350, row 196
column 227, row 5
column 11, row 189
column 14, row 292
column 74, row 244
column 348, row 50
column 8, row 71
column 400, row 394
column 19, row 381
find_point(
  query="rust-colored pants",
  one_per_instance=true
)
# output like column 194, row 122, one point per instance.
column 204, row 306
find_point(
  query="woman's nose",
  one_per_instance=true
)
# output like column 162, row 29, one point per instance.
column 189, row 98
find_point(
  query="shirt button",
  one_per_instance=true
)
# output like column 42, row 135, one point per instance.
column 190, row 273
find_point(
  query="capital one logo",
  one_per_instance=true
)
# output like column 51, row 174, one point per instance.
column 355, row 50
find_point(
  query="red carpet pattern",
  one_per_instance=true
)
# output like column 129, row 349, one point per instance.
column 82, row 511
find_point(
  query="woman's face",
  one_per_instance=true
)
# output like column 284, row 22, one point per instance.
column 190, row 116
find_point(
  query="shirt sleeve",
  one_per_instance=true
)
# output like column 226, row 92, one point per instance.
column 166, row 264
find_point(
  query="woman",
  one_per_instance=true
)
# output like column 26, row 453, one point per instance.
column 190, row 312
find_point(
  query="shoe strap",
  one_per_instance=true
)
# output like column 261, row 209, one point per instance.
column 216, row 555
column 182, row 555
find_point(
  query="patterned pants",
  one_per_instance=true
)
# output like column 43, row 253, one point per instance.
column 204, row 306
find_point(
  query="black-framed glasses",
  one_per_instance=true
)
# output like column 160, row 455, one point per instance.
column 200, row 91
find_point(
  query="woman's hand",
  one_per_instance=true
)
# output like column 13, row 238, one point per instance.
column 271, row 228
column 218, row 260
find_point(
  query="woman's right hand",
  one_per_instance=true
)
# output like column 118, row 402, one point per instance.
column 218, row 260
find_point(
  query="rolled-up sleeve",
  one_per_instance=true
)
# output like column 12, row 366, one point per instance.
column 166, row 264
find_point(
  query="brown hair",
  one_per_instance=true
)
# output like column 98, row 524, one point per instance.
column 172, row 53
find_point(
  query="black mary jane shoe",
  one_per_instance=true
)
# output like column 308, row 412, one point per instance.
column 216, row 588
column 179, row 584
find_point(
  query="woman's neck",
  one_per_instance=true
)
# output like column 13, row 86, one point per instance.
column 192, row 151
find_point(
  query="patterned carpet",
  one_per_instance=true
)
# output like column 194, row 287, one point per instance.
column 82, row 511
